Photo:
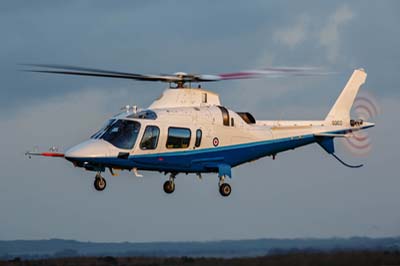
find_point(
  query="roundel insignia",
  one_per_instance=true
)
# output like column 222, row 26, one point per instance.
column 215, row 142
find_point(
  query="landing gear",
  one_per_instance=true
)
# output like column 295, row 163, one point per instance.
column 224, row 188
column 169, row 185
column 99, row 182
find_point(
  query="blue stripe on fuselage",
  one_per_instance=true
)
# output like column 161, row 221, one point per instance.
column 203, row 160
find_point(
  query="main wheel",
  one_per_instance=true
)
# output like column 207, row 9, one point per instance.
column 225, row 189
column 169, row 187
column 100, row 184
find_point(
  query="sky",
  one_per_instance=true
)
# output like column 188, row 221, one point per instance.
column 303, row 193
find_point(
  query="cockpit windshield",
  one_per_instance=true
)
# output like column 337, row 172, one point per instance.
column 105, row 127
column 122, row 134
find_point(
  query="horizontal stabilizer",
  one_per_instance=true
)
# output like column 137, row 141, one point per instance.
column 333, row 135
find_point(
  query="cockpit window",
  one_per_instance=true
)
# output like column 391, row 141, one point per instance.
column 145, row 114
column 122, row 134
column 150, row 138
column 103, row 129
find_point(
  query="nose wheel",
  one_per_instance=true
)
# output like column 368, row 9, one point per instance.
column 224, row 188
column 99, row 183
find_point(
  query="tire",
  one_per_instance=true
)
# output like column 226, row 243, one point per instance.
column 169, row 187
column 100, row 184
column 225, row 189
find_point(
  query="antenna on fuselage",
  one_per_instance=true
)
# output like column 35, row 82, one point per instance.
column 127, row 108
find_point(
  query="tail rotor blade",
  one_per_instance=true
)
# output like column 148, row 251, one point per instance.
column 365, row 107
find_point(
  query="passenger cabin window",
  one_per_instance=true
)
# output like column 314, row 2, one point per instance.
column 225, row 115
column 198, row 138
column 150, row 138
column 122, row 134
column 178, row 138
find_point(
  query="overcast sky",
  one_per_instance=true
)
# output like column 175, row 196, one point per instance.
column 304, row 193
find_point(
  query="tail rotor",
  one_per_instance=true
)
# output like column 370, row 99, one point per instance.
column 366, row 108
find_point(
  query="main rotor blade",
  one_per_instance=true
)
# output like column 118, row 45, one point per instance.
column 179, row 77
column 83, row 71
column 265, row 72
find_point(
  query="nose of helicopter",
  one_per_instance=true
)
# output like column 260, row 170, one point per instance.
column 93, row 148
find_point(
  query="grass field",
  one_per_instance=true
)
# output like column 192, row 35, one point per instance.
column 344, row 258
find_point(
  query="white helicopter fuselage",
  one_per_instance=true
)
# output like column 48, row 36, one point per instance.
column 192, row 132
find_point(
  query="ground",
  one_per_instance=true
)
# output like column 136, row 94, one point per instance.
column 342, row 258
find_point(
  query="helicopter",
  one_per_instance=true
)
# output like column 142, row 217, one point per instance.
column 188, row 130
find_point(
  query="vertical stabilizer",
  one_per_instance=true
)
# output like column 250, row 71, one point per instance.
column 340, row 112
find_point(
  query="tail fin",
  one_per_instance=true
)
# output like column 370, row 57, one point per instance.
column 340, row 112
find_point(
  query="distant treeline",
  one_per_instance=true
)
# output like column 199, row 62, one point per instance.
column 58, row 248
column 342, row 258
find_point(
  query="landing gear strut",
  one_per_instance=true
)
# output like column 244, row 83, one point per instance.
column 224, row 188
column 99, row 182
column 169, row 185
